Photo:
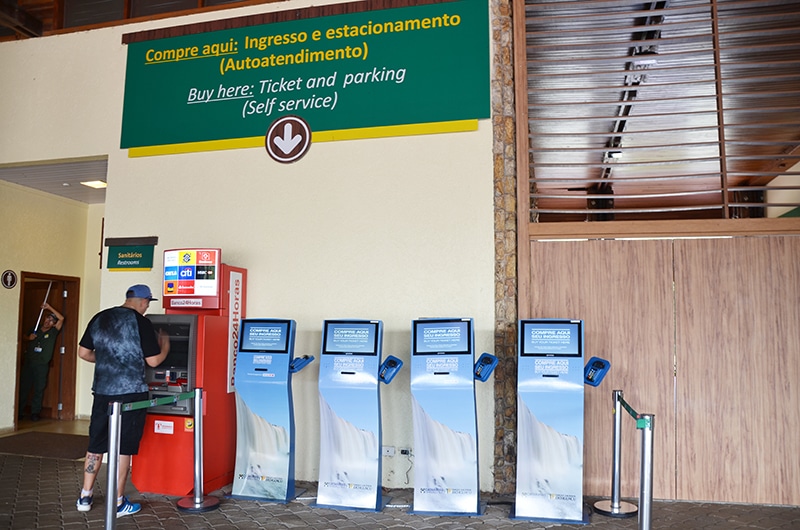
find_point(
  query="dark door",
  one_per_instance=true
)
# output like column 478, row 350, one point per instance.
column 61, row 292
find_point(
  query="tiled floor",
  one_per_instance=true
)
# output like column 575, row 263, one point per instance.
column 41, row 493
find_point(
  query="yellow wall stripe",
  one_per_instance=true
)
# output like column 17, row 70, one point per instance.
column 322, row 136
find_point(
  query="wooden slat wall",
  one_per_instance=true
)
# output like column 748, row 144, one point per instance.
column 623, row 292
column 727, row 428
column 738, row 359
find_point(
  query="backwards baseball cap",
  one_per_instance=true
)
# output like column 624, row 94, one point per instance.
column 140, row 291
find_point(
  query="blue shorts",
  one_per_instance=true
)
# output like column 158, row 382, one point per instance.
column 132, row 424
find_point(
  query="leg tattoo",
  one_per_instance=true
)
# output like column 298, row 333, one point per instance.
column 93, row 462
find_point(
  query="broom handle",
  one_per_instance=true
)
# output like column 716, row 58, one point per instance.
column 49, row 285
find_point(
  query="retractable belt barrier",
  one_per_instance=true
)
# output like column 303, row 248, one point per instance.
column 197, row 503
column 615, row 507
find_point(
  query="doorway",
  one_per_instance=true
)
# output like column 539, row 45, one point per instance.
column 62, row 293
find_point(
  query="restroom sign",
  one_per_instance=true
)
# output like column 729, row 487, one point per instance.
column 130, row 258
column 288, row 139
column 9, row 279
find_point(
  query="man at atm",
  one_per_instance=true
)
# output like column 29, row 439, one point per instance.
column 119, row 340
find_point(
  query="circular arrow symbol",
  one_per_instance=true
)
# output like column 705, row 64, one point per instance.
column 288, row 139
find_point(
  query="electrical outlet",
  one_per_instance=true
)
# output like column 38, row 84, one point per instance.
column 405, row 451
column 388, row 450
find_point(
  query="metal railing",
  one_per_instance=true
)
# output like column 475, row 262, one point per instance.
column 616, row 507
column 196, row 503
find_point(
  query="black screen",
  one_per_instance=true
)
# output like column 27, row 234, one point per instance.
column 551, row 338
column 350, row 337
column 442, row 336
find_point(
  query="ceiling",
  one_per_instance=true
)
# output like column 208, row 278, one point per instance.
column 61, row 178
column 661, row 110
column 35, row 18
column 27, row 18
column 636, row 110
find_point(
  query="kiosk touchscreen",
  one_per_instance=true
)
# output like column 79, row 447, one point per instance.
column 264, row 467
column 444, row 417
column 350, row 423
column 550, row 388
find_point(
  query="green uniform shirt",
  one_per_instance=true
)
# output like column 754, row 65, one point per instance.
column 40, row 349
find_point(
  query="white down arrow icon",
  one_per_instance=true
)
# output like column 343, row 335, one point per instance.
column 288, row 142
column 288, row 139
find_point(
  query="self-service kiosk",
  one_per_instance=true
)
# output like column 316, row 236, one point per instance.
column 550, row 389
column 350, row 413
column 204, row 301
column 444, row 416
column 264, row 410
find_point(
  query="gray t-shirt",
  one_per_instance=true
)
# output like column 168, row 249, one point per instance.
column 121, row 339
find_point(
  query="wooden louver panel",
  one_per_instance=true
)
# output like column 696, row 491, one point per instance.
column 677, row 109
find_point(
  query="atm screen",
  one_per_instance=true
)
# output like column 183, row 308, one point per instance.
column 551, row 338
column 350, row 337
column 181, row 339
column 270, row 336
column 438, row 337
column 177, row 372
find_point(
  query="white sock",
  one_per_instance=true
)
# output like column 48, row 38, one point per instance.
column 119, row 500
column 86, row 493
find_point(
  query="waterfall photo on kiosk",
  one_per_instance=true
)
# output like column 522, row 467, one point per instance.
column 343, row 468
column 445, row 464
column 554, row 467
column 262, row 456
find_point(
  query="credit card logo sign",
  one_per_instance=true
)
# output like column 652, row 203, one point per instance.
column 205, row 273
column 186, row 287
column 205, row 257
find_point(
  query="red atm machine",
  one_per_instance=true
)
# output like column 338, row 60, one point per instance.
column 204, row 302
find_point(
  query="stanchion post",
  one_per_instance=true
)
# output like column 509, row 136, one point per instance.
column 198, row 503
column 199, row 479
column 615, row 507
column 114, row 434
column 646, row 474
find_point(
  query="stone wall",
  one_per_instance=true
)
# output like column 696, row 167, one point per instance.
column 505, row 226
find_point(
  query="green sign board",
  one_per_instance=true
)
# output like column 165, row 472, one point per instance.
column 382, row 68
column 130, row 258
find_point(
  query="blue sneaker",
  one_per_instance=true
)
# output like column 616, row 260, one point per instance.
column 84, row 504
column 128, row 508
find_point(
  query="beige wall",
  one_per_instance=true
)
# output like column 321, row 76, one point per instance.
column 44, row 234
column 90, row 302
column 392, row 229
